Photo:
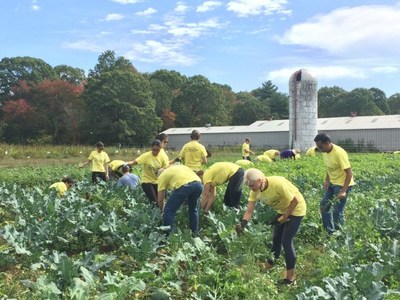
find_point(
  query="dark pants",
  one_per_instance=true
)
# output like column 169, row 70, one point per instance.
column 150, row 189
column 96, row 176
column 283, row 237
column 233, row 191
column 246, row 158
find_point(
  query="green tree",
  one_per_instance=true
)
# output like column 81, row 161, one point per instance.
column 199, row 103
column 360, row 101
column 380, row 100
column 107, row 62
column 394, row 103
column 248, row 109
column 70, row 74
column 16, row 69
column 328, row 97
column 276, row 103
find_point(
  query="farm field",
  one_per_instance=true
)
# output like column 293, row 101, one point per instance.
column 99, row 242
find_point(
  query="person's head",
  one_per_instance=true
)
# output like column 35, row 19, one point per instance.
column 100, row 146
column 296, row 151
column 68, row 181
column 125, row 169
column 195, row 135
column 247, row 140
column 323, row 142
column 253, row 178
column 155, row 147
column 277, row 153
column 163, row 138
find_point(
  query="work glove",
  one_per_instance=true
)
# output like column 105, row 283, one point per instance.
column 240, row 227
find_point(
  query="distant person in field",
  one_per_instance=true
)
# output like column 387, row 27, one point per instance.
column 193, row 154
column 246, row 150
column 99, row 159
column 186, row 188
column 282, row 196
column 244, row 163
column 128, row 179
column 151, row 162
column 62, row 186
column 272, row 154
column 218, row 174
column 311, row 152
column 263, row 158
column 115, row 169
column 289, row 153
column 338, row 182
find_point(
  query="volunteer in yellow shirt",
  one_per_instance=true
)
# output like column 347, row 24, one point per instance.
column 62, row 186
column 246, row 149
column 115, row 168
column 193, row 153
column 312, row 151
column 338, row 182
column 282, row 196
column 99, row 159
column 272, row 154
column 218, row 174
column 185, row 186
column 263, row 158
column 151, row 162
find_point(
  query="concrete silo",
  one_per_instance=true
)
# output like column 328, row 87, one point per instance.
column 303, row 109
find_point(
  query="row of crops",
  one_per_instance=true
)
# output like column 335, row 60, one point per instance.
column 103, row 243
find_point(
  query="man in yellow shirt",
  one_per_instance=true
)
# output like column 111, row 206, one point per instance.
column 193, row 153
column 99, row 159
column 218, row 174
column 338, row 182
column 282, row 196
column 246, row 149
column 185, row 186
column 62, row 186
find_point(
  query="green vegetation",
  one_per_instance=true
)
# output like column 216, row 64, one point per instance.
column 102, row 243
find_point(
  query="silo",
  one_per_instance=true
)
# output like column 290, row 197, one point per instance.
column 303, row 109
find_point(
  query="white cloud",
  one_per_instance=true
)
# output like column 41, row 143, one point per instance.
column 127, row 1
column 147, row 12
column 114, row 17
column 181, row 7
column 385, row 70
column 167, row 53
column 193, row 29
column 35, row 7
column 208, row 5
column 245, row 8
column 358, row 31
column 83, row 45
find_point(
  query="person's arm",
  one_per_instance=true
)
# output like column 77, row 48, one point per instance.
column 204, row 160
column 131, row 163
column 106, row 168
column 160, row 199
column 84, row 164
column 208, row 197
column 246, row 217
column 349, row 175
column 289, row 210
column 326, row 183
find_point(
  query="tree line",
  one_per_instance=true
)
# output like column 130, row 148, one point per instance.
column 119, row 105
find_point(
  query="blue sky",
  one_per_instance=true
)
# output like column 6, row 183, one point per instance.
column 241, row 43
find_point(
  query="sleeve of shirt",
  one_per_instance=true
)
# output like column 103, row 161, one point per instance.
column 107, row 158
column 141, row 159
column 182, row 152
column 343, row 160
column 285, row 193
column 90, row 156
column 253, row 196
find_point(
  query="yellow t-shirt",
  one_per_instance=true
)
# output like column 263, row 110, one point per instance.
column 336, row 162
column 175, row 176
column 244, row 163
column 151, row 165
column 164, row 154
column 311, row 152
column 116, row 164
column 60, row 187
column 271, row 153
column 192, row 154
column 279, row 194
column 264, row 158
column 219, row 173
column 98, row 160
column 245, row 148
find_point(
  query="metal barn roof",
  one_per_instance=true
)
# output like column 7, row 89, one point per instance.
column 338, row 123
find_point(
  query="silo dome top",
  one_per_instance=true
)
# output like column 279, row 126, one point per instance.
column 303, row 75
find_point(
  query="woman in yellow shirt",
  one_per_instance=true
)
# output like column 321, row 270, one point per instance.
column 282, row 196
column 99, row 159
column 151, row 162
column 62, row 186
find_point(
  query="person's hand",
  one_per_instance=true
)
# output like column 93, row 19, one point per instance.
column 342, row 195
column 283, row 219
column 81, row 165
column 239, row 228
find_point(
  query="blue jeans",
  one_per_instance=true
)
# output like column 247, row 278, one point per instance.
column 333, row 220
column 190, row 191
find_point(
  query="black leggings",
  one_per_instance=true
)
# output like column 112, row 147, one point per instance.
column 283, row 236
column 233, row 191
column 97, row 175
column 150, row 189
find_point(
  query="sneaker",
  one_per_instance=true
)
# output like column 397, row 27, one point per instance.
column 287, row 282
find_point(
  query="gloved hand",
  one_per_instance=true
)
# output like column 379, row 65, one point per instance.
column 240, row 227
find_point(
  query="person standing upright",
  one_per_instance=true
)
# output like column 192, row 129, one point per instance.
column 338, row 182
column 193, row 153
column 246, row 150
column 99, row 159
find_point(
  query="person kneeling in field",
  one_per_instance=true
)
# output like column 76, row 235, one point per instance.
column 286, row 199
column 272, row 154
column 185, row 186
column 218, row 174
column 263, row 158
column 128, row 179
column 62, row 186
column 115, row 169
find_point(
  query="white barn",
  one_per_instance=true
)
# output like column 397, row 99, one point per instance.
column 380, row 132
